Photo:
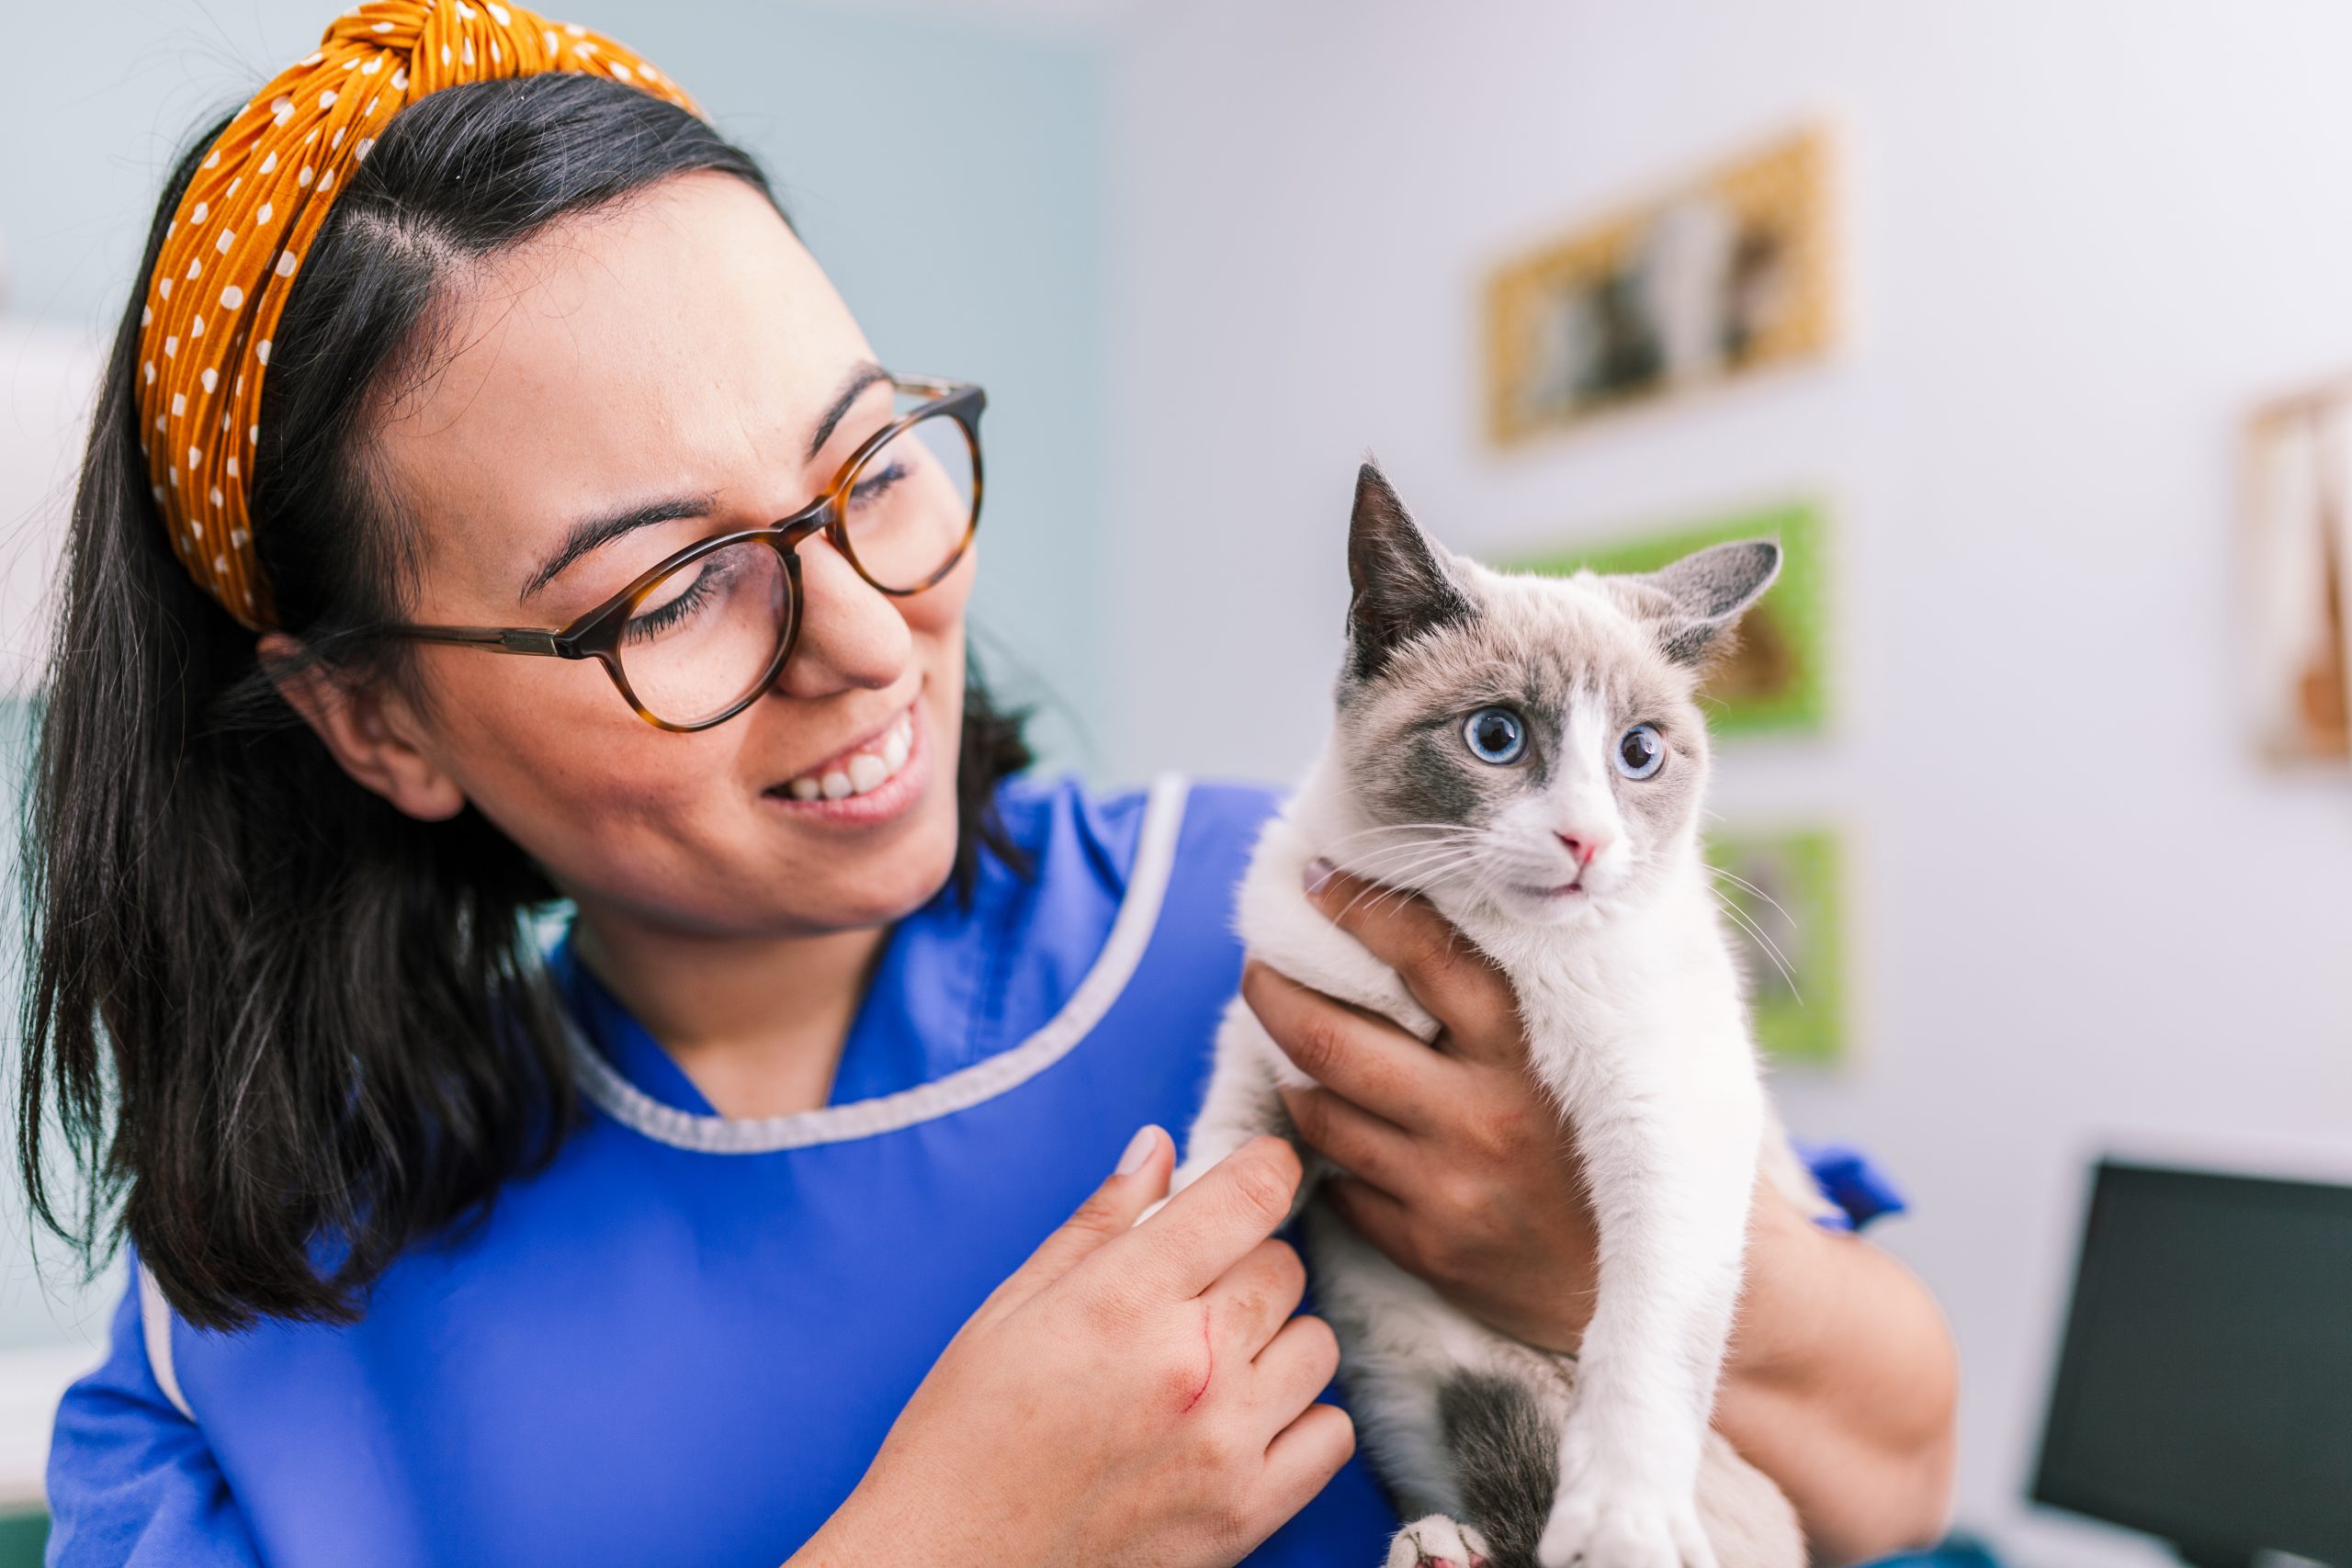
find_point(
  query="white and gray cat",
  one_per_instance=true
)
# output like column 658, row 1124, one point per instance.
column 1526, row 752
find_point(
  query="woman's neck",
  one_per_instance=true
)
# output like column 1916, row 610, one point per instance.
column 757, row 1025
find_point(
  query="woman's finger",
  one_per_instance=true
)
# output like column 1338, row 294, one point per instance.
column 1140, row 1181
column 1374, row 1214
column 1248, row 1306
column 1351, row 1137
column 1302, row 1460
column 1206, row 1228
column 1370, row 1060
column 1459, row 986
column 1296, row 1366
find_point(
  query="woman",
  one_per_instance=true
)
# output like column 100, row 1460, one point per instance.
column 738, row 1226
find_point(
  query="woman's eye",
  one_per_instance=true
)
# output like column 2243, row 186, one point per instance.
column 1495, row 734
column 677, row 599
column 1641, row 751
column 872, row 487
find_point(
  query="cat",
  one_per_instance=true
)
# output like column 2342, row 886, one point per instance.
column 1526, row 751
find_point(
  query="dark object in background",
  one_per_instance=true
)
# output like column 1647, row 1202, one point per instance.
column 1958, row 1551
column 24, row 1539
column 2204, row 1392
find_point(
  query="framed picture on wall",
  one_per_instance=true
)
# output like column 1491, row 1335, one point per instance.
column 2299, row 577
column 1782, row 893
column 1706, row 281
column 1774, row 681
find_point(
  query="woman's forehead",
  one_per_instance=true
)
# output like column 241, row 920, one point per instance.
column 682, row 339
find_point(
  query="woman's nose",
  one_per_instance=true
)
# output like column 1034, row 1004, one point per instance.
column 851, row 635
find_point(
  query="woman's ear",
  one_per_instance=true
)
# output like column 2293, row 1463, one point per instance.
column 369, row 730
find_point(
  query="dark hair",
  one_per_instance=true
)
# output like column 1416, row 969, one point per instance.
column 285, row 1030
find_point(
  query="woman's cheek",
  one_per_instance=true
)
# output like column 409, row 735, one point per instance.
column 938, row 611
column 937, row 618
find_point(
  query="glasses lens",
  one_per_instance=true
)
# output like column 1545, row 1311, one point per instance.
column 706, row 634
column 910, row 504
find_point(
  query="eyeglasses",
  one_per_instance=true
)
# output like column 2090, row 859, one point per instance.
column 697, row 639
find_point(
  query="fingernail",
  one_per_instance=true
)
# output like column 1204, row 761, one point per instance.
column 1320, row 873
column 1140, row 1149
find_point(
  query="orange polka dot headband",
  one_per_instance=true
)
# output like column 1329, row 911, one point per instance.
column 232, row 249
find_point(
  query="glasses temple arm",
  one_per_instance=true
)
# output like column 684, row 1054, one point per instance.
column 498, row 640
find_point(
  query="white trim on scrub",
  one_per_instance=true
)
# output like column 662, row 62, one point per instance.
column 1131, row 931
column 156, row 1331
column 1138, row 914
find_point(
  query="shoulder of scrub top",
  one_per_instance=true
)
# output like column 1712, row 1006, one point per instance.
column 1048, row 815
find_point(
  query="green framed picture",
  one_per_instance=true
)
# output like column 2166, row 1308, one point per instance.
column 1776, row 681
column 1782, row 892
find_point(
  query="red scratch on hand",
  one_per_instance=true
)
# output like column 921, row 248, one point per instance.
column 1208, row 1343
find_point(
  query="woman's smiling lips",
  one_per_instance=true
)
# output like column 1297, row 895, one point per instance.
column 873, row 781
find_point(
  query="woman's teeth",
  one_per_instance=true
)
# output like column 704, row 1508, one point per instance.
column 864, row 771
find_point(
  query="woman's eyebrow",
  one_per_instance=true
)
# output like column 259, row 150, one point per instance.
column 862, row 374
column 590, row 533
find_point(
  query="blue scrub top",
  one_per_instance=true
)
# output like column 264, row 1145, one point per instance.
column 685, row 1340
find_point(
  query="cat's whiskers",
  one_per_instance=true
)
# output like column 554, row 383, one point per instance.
column 1414, row 836
column 1753, row 921
column 1772, row 948
column 1370, row 900
column 1417, row 868
column 1740, row 881
column 1411, row 859
column 1386, row 862
column 1433, row 838
column 1406, row 827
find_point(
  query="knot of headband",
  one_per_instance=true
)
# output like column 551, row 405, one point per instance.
column 237, row 240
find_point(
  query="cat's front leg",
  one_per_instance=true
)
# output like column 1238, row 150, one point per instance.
column 1241, row 1102
column 1670, row 1182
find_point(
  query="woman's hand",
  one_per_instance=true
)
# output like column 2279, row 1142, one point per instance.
column 1842, row 1380
column 1132, row 1395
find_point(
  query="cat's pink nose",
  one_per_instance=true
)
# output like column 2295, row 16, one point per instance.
column 1582, row 847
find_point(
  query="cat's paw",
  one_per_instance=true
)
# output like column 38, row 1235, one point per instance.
column 1604, row 1525
column 1437, row 1542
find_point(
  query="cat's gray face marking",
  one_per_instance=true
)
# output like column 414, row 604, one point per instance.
column 1580, row 797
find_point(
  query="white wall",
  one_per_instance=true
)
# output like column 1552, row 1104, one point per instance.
column 2083, row 238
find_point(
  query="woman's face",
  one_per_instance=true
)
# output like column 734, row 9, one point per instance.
column 684, row 344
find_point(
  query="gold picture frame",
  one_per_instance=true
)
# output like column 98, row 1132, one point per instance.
column 2298, row 570
column 1711, row 280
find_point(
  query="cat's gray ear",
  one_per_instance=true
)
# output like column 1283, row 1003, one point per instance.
column 1705, row 594
column 1400, row 577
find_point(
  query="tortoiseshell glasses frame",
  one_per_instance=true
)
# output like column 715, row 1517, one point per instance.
column 597, row 634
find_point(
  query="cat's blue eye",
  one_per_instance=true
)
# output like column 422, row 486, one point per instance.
column 1495, row 734
column 1641, row 751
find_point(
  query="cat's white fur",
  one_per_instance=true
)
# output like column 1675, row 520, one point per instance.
column 1637, row 1028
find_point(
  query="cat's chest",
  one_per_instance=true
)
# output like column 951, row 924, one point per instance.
column 1611, row 989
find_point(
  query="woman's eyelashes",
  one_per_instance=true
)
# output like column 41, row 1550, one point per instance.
column 877, row 482
column 686, row 592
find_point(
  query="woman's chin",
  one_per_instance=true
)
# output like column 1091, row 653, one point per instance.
column 898, row 873
column 904, row 886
